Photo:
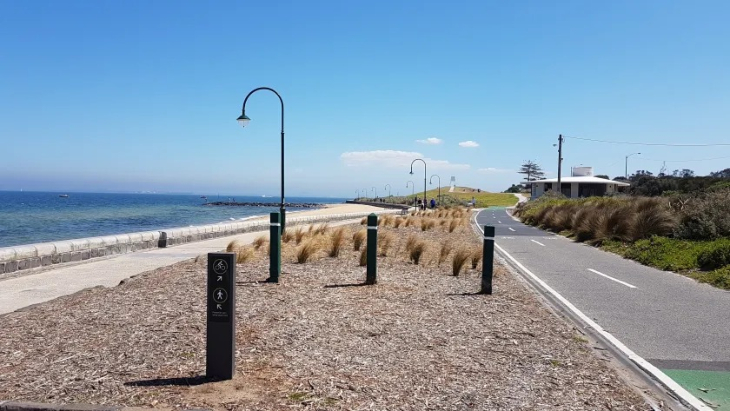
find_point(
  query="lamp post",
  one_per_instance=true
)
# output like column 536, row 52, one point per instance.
column 439, row 178
column 414, row 190
column 424, row 178
column 358, row 195
column 387, row 187
column 626, row 166
column 366, row 193
column 244, row 120
column 375, row 192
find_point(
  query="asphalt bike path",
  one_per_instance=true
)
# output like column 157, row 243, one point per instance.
column 675, row 323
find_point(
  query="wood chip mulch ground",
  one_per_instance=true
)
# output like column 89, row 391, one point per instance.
column 419, row 339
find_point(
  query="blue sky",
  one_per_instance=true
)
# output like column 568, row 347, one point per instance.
column 143, row 95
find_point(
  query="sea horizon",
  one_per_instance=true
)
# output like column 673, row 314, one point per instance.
column 28, row 217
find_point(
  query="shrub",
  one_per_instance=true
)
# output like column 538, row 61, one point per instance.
column 716, row 256
column 652, row 221
column 306, row 251
column 358, row 238
column 259, row 241
column 338, row 240
column 457, row 263
column 719, row 278
column 364, row 256
column 444, row 252
column 244, row 254
column 417, row 251
column 705, row 216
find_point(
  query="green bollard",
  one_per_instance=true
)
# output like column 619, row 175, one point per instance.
column 487, row 260
column 372, row 264
column 283, row 219
column 275, row 244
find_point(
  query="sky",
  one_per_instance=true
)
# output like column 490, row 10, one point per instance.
column 144, row 95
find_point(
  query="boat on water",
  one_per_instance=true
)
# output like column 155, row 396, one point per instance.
column 63, row 195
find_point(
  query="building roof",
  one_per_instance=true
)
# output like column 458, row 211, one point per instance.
column 582, row 179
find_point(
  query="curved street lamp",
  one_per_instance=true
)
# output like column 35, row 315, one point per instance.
column 375, row 191
column 424, row 178
column 387, row 186
column 414, row 190
column 626, row 166
column 243, row 119
column 431, row 179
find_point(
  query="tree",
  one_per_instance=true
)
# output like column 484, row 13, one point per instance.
column 516, row 188
column 683, row 173
column 721, row 174
column 531, row 170
column 602, row 176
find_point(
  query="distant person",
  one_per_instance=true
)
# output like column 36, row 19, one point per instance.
column 433, row 203
column 473, row 202
column 419, row 204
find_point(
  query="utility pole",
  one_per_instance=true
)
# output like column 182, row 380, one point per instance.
column 560, row 162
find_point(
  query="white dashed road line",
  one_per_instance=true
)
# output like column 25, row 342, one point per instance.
column 611, row 278
column 511, row 229
column 538, row 243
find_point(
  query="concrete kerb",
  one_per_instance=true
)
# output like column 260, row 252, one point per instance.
column 43, row 254
column 37, row 406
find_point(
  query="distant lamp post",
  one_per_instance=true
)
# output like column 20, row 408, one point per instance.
column 375, row 192
column 358, row 195
column 439, row 180
column 243, row 119
column 424, row 178
column 387, row 187
column 626, row 166
column 414, row 190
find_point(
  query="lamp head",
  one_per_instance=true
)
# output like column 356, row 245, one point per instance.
column 411, row 172
column 243, row 120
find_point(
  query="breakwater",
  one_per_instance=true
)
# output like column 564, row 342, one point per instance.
column 258, row 204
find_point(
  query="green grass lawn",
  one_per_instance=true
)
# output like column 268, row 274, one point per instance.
column 463, row 194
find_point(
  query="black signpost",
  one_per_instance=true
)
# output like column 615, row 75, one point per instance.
column 221, row 331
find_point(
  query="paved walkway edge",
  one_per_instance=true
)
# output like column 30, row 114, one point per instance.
column 676, row 390
column 29, row 256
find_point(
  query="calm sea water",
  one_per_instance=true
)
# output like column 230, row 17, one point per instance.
column 36, row 217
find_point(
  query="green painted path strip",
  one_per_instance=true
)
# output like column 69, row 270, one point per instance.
column 713, row 387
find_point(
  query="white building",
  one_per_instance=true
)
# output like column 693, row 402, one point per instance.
column 581, row 184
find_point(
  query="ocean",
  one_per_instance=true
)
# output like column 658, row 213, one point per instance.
column 36, row 217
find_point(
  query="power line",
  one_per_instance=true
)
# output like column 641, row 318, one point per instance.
column 649, row 144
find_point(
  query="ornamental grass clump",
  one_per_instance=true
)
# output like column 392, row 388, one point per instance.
column 476, row 257
column 398, row 221
column 364, row 256
column 244, row 254
column 306, row 251
column 321, row 229
column 358, row 238
column 259, row 241
column 287, row 236
column 410, row 242
column 444, row 252
column 460, row 258
column 232, row 246
column 453, row 224
column 337, row 241
column 299, row 235
column 384, row 242
column 417, row 251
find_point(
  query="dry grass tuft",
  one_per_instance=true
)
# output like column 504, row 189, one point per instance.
column 453, row 224
column 417, row 251
column 388, row 219
column 410, row 242
column 476, row 257
column 384, row 242
column 321, row 229
column 299, row 235
column 459, row 260
column 444, row 252
column 287, row 236
column 408, row 221
column 233, row 246
column 364, row 256
column 337, row 241
column 427, row 224
column 358, row 238
column 306, row 251
column 364, row 221
column 259, row 241
column 398, row 221
column 244, row 254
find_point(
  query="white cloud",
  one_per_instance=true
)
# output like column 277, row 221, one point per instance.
column 395, row 159
column 469, row 144
column 492, row 170
column 431, row 141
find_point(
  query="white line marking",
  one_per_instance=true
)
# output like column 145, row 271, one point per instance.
column 642, row 363
column 537, row 242
column 499, row 222
column 511, row 229
column 611, row 278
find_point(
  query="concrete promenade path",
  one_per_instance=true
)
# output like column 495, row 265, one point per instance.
column 45, row 284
